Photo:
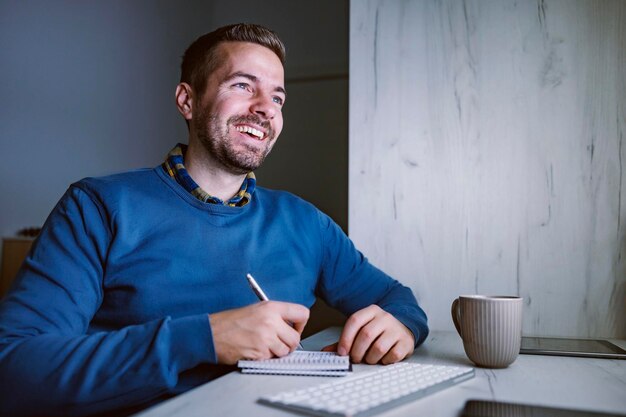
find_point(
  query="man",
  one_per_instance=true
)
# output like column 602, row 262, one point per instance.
column 136, row 289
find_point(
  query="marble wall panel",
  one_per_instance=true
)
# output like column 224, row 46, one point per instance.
column 486, row 154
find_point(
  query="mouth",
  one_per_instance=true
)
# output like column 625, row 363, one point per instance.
column 251, row 132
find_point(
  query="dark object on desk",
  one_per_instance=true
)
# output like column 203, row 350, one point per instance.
column 14, row 250
column 29, row 232
column 479, row 408
column 586, row 348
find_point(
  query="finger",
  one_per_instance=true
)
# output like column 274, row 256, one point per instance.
column 287, row 334
column 380, row 348
column 330, row 348
column 366, row 338
column 295, row 314
column 354, row 323
column 396, row 354
column 279, row 348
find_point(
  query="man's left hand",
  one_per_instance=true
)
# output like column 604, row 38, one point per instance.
column 372, row 335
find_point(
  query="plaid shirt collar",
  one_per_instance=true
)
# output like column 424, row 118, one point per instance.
column 174, row 166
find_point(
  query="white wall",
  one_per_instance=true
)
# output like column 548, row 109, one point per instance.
column 87, row 89
column 486, row 154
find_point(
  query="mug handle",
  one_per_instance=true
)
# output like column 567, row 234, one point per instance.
column 456, row 313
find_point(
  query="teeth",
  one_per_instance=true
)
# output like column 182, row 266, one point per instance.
column 250, row 130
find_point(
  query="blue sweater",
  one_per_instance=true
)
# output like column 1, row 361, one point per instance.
column 109, row 310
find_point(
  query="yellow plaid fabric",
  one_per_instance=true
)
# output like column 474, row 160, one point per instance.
column 175, row 167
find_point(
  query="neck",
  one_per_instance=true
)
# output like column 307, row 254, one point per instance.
column 209, row 174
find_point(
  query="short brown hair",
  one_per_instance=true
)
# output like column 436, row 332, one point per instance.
column 200, row 59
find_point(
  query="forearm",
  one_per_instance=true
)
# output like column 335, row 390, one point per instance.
column 350, row 283
column 84, row 374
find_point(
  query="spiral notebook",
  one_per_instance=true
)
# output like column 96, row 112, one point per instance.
column 300, row 362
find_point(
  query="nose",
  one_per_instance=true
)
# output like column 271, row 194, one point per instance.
column 263, row 106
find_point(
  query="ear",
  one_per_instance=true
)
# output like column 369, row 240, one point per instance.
column 184, row 100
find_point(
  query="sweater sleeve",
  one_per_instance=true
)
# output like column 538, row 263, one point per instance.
column 47, row 356
column 350, row 283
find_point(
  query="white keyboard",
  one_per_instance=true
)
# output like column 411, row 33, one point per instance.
column 369, row 393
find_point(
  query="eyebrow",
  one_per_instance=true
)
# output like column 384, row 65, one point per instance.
column 252, row 78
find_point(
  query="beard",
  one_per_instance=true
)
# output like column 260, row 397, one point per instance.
column 213, row 135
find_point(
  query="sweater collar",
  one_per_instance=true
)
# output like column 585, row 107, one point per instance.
column 174, row 166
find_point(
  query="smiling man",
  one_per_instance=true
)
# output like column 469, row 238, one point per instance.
column 136, row 291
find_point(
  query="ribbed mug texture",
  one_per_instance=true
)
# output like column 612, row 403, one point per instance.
column 491, row 328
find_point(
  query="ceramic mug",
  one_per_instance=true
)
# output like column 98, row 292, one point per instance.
column 491, row 328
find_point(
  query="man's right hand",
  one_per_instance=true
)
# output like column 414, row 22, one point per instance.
column 258, row 331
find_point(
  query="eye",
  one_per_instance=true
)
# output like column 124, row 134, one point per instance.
column 243, row 86
column 278, row 100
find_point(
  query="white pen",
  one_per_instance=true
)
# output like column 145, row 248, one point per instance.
column 261, row 295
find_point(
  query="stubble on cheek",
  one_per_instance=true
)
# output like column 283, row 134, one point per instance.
column 216, row 138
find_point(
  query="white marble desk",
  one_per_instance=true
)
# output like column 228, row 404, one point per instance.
column 579, row 383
